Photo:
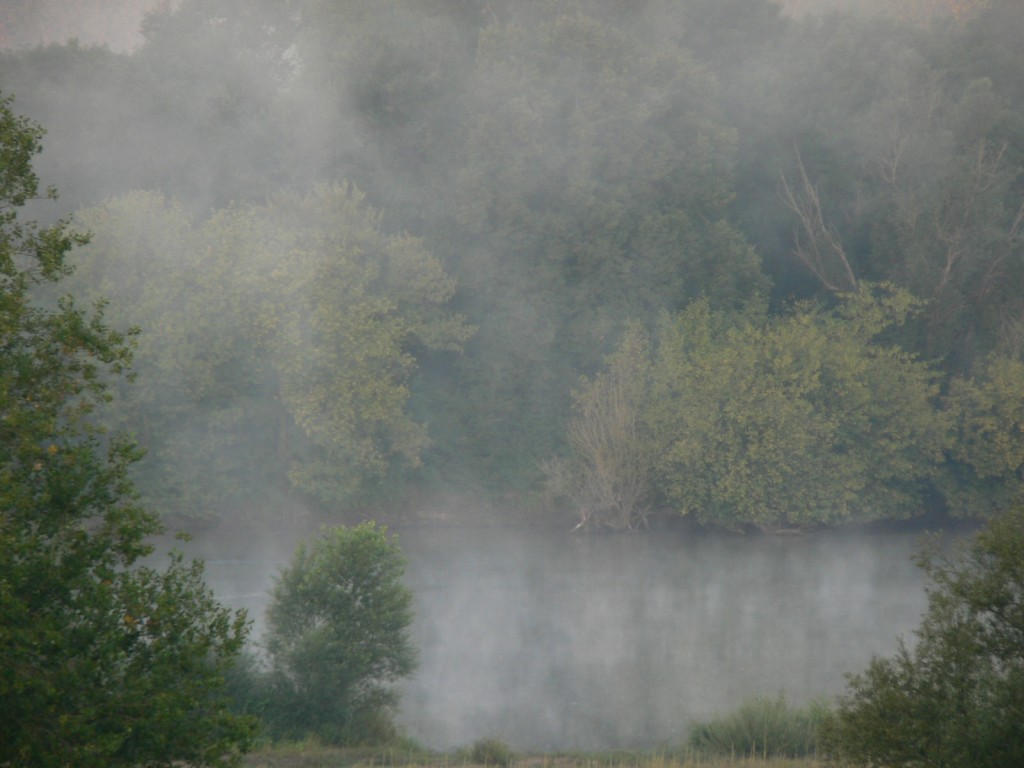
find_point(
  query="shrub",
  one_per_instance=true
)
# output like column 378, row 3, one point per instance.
column 957, row 698
column 761, row 726
column 492, row 752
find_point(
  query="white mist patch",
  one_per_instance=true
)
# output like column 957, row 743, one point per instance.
column 552, row 641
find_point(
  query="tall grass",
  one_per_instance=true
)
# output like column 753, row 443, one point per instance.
column 489, row 752
column 762, row 733
column 761, row 727
column 311, row 755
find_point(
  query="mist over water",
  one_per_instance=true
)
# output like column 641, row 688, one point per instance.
column 550, row 640
column 572, row 168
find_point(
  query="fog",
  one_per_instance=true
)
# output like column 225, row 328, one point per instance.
column 112, row 23
column 551, row 640
column 572, row 167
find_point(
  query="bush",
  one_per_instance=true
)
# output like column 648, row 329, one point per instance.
column 763, row 727
column 338, row 637
column 957, row 699
column 492, row 752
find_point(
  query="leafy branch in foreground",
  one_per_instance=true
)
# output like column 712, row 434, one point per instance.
column 103, row 661
column 957, row 697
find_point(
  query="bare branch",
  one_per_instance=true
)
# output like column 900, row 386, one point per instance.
column 956, row 218
column 1014, row 232
column 815, row 243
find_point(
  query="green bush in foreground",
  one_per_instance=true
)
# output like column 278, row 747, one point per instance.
column 492, row 752
column 957, row 698
column 761, row 727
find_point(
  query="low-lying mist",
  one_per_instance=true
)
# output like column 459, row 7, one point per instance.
column 550, row 640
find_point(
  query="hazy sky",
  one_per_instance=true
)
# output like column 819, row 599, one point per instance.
column 115, row 23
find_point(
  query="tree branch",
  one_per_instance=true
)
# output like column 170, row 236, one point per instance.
column 815, row 243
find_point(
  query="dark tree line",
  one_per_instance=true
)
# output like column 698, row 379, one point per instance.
column 532, row 187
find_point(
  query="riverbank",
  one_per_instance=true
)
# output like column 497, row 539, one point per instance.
column 313, row 756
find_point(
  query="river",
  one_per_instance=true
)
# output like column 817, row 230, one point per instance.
column 551, row 640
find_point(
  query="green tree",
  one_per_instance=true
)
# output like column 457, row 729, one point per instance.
column 104, row 661
column 202, row 404
column 986, row 471
column 957, row 698
column 281, row 344
column 338, row 636
column 906, row 169
column 355, row 306
column 793, row 420
column 592, row 186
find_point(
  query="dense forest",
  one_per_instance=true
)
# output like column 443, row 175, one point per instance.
column 606, row 260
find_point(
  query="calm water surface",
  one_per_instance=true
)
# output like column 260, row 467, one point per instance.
column 550, row 640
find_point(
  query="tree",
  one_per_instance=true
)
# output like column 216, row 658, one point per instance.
column 354, row 307
column 104, row 661
column 591, row 185
column 986, row 471
column 608, row 476
column 197, row 398
column 338, row 635
column 957, row 698
column 793, row 420
column 281, row 344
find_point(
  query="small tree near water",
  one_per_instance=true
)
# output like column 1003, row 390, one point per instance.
column 338, row 637
column 607, row 477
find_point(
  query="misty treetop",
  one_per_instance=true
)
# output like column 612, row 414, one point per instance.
column 562, row 178
column 278, row 336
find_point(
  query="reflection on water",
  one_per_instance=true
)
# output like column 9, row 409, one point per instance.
column 551, row 640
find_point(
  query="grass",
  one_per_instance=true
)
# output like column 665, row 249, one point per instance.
column 761, row 733
column 761, row 726
column 308, row 755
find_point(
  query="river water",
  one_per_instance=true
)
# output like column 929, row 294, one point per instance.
column 550, row 640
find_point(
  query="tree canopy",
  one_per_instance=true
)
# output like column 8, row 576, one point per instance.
column 278, row 334
column 571, row 172
column 338, row 636
column 766, row 420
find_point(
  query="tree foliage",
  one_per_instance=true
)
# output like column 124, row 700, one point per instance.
column 957, row 697
column 356, row 306
column 338, row 636
column 794, row 420
column 986, row 471
column 764, row 420
column 281, row 334
column 608, row 478
column 104, row 661
column 572, row 166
